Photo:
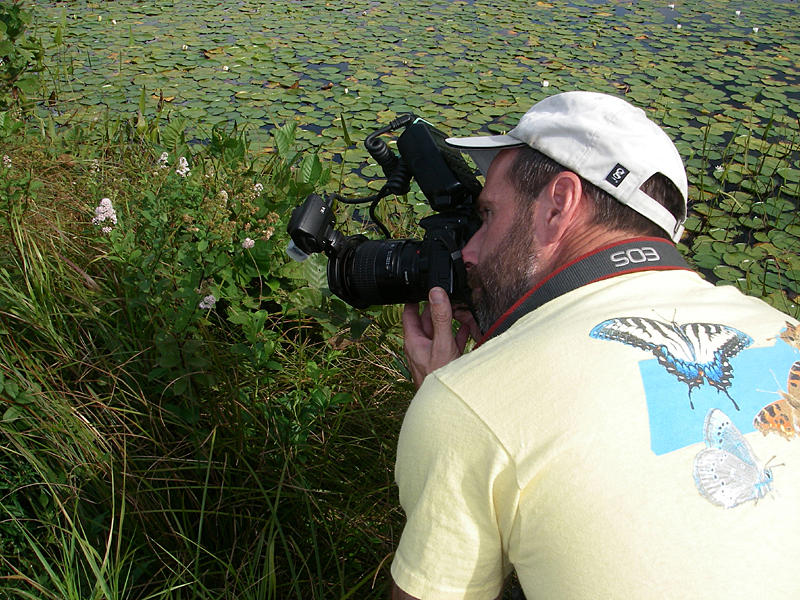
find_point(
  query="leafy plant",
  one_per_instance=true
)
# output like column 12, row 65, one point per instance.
column 21, row 56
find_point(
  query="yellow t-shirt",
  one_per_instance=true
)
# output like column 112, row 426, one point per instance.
column 624, row 440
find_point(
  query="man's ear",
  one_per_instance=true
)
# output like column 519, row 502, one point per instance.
column 561, row 206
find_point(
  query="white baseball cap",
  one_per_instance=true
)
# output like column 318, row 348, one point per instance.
column 602, row 138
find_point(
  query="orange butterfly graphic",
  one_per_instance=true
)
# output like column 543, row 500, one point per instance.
column 791, row 335
column 783, row 416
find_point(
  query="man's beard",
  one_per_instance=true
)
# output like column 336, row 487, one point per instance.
column 505, row 275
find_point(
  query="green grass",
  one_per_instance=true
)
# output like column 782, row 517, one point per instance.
column 158, row 450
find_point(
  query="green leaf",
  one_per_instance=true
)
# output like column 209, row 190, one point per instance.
column 284, row 138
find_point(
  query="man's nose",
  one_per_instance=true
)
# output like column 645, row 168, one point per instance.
column 470, row 251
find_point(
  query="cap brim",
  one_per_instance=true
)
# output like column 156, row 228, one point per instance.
column 483, row 149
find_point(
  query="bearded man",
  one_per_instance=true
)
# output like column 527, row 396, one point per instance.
column 612, row 433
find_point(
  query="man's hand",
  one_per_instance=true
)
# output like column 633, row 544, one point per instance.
column 429, row 342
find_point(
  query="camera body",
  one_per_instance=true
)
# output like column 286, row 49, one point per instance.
column 365, row 272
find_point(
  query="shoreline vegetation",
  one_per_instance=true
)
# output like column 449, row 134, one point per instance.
column 186, row 413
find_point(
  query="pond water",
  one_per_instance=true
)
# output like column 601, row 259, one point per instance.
column 721, row 77
column 464, row 65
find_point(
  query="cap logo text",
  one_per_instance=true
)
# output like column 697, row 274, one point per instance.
column 617, row 175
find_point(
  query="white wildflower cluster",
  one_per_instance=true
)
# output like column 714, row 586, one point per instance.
column 223, row 196
column 105, row 213
column 162, row 161
column 248, row 243
column 208, row 302
column 257, row 189
column 183, row 167
column 95, row 168
column 6, row 161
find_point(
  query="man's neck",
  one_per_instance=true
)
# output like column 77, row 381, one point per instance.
column 575, row 244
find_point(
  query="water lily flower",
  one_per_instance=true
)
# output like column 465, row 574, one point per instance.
column 672, row 6
column 113, row 21
column 738, row 12
column 184, row 47
column 208, row 302
column 755, row 29
column 719, row 168
column 248, row 243
column 224, row 67
column 678, row 25
column 545, row 83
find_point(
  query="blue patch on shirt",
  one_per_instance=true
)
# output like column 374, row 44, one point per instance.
column 674, row 424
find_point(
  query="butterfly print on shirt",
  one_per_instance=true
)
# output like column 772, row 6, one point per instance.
column 692, row 352
column 791, row 335
column 783, row 416
column 727, row 471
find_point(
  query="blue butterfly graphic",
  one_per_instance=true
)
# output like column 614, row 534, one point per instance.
column 693, row 352
column 727, row 472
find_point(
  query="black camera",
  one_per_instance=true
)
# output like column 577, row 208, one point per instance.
column 365, row 272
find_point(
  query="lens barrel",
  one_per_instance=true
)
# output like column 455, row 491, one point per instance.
column 372, row 272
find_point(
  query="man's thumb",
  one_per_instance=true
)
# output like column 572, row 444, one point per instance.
column 441, row 311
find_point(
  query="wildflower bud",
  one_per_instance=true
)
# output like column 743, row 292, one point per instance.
column 183, row 167
column 104, row 212
column 208, row 302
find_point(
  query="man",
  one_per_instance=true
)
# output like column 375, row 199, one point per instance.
column 623, row 429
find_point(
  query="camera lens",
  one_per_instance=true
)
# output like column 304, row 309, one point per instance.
column 373, row 272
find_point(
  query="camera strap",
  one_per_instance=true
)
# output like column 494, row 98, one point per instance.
column 629, row 256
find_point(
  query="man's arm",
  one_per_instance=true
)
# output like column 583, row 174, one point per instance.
column 398, row 594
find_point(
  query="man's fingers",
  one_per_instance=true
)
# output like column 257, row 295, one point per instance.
column 462, row 337
column 411, row 320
